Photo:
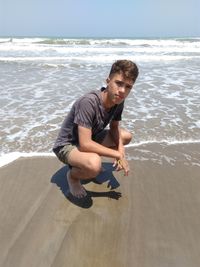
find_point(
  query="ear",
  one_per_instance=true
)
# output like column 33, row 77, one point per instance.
column 107, row 80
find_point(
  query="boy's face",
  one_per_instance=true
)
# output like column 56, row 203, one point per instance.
column 118, row 88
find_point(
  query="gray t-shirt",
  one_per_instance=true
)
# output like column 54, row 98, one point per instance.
column 89, row 112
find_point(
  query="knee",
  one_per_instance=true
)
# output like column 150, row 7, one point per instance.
column 94, row 165
column 126, row 137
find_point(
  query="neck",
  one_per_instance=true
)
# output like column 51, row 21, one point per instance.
column 105, row 99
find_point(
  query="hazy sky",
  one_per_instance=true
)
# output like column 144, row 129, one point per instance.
column 100, row 18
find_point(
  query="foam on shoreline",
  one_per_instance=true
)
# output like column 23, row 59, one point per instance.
column 169, row 143
column 8, row 158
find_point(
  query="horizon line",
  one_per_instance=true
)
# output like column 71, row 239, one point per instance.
column 99, row 37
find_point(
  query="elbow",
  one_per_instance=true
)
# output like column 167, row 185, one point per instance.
column 83, row 147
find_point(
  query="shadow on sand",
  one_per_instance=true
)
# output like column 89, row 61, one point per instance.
column 59, row 178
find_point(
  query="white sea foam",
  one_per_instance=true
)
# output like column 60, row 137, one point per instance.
column 172, row 142
column 98, row 50
column 10, row 157
column 6, row 159
column 42, row 77
column 198, row 123
column 97, row 59
column 109, row 41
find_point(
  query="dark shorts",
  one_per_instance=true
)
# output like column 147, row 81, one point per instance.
column 63, row 152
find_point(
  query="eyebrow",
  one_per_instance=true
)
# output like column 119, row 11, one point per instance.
column 126, row 84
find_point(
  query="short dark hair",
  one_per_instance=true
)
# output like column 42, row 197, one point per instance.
column 128, row 68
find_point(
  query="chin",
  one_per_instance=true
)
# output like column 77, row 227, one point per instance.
column 119, row 101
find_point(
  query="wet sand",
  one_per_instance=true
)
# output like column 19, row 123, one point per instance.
column 149, row 219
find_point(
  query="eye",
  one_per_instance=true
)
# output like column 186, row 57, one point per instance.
column 119, row 83
column 128, row 87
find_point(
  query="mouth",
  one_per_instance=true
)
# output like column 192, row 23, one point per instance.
column 119, row 97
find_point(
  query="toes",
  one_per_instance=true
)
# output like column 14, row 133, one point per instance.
column 83, row 193
column 79, row 192
column 75, row 187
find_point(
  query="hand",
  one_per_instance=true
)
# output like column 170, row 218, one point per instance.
column 122, row 164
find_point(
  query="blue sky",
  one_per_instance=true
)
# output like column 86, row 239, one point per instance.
column 100, row 18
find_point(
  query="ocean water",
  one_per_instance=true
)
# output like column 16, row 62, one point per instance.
column 42, row 77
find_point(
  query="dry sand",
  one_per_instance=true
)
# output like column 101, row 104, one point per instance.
column 155, row 222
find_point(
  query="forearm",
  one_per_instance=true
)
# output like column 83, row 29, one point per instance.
column 116, row 136
column 94, row 147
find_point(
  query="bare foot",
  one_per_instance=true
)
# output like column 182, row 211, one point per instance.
column 75, row 187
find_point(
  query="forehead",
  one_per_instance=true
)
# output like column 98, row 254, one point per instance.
column 120, row 77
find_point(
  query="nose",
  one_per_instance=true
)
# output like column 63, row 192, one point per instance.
column 122, row 89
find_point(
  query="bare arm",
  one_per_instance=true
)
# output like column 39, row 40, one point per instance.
column 122, row 163
column 116, row 135
column 86, row 144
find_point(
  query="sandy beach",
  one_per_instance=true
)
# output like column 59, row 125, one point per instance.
column 149, row 219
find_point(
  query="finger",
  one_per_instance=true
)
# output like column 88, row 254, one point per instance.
column 126, row 172
column 119, row 167
column 114, row 163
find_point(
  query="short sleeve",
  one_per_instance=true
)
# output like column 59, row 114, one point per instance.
column 84, row 113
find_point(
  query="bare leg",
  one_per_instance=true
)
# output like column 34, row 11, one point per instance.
column 75, row 186
column 88, row 165
column 108, row 140
column 85, row 166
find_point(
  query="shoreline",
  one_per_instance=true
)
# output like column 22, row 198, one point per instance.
column 8, row 158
